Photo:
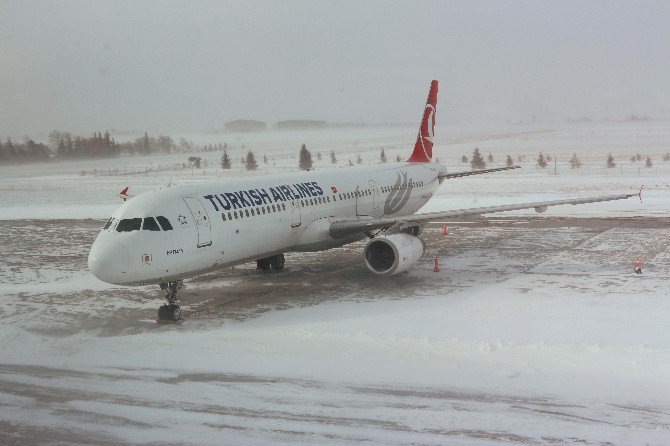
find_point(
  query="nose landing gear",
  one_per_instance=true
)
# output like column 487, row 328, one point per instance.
column 171, row 312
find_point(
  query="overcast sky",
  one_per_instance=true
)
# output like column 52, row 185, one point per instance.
column 190, row 66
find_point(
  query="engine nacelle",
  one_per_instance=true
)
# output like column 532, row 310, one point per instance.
column 540, row 209
column 393, row 254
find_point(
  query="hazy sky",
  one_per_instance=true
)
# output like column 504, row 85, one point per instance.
column 190, row 66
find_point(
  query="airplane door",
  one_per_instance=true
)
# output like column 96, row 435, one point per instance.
column 296, row 217
column 377, row 209
column 202, row 222
column 359, row 202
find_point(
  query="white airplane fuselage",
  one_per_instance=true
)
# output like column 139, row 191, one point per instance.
column 224, row 223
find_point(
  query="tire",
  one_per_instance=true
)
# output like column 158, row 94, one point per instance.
column 263, row 264
column 176, row 313
column 277, row 262
column 163, row 313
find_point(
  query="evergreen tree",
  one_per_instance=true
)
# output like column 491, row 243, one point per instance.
column 382, row 156
column 350, row 163
column 477, row 160
column 318, row 156
column 610, row 161
column 548, row 158
column 509, row 161
column 225, row 160
column 575, row 163
column 333, row 160
column 648, row 163
column 541, row 161
column 464, row 159
column 10, row 149
column 639, row 157
column 265, row 159
column 633, row 159
column 251, row 161
column 490, row 158
column 359, row 160
column 305, row 158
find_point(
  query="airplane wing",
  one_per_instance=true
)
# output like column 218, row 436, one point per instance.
column 345, row 228
column 445, row 175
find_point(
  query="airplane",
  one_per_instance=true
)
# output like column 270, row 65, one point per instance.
column 173, row 233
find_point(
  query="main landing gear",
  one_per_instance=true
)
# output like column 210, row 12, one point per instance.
column 274, row 262
column 170, row 312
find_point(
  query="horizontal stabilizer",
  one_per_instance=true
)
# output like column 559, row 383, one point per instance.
column 474, row 172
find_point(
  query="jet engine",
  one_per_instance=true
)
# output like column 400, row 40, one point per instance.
column 393, row 254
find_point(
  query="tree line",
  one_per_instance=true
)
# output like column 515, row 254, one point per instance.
column 65, row 146
column 477, row 161
column 304, row 159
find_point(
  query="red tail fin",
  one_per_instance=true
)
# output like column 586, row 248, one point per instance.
column 423, row 149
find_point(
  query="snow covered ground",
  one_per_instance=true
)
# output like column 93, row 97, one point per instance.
column 534, row 332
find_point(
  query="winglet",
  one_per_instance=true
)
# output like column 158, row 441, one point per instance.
column 640, row 193
column 423, row 148
column 124, row 193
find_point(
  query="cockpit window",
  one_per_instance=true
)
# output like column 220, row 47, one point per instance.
column 150, row 224
column 108, row 224
column 129, row 224
column 165, row 223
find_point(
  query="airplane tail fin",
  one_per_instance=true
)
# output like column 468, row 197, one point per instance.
column 423, row 148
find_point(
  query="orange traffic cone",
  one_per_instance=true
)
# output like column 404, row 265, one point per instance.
column 436, row 268
column 445, row 231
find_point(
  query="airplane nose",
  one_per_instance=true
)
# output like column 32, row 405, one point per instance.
column 108, row 261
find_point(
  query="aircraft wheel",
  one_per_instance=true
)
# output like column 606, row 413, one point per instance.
column 263, row 264
column 277, row 262
column 175, row 312
column 163, row 313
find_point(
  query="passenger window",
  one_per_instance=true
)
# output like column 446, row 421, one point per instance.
column 223, row 216
column 273, row 208
column 246, row 211
column 129, row 224
column 230, row 216
column 150, row 224
column 164, row 222
column 283, row 206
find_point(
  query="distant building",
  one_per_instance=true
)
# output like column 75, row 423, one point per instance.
column 296, row 124
column 245, row 125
